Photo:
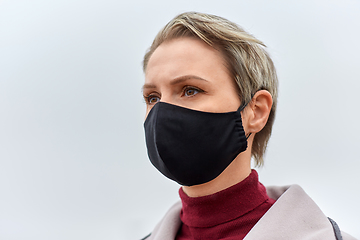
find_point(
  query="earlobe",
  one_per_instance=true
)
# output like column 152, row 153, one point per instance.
column 260, row 107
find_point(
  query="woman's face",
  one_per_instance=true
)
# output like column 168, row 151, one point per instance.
column 189, row 73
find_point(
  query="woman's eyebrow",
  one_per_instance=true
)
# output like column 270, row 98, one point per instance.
column 175, row 81
column 148, row 86
column 184, row 78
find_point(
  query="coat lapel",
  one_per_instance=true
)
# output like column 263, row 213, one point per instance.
column 294, row 215
column 168, row 227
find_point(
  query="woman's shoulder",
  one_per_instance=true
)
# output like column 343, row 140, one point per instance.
column 294, row 213
column 168, row 226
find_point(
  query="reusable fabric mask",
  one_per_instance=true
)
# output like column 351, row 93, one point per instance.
column 192, row 147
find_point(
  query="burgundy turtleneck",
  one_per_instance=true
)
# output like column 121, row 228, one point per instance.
column 228, row 214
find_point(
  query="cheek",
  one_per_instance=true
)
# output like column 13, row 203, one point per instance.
column 226, row 101
column 147, row 110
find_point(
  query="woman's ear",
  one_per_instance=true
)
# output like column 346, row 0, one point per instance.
column 259, row 111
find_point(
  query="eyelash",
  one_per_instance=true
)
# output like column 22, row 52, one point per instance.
column 148, row 97
column 185, row 88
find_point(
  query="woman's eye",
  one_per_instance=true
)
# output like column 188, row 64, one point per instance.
column 191, row 92
column 153, row 99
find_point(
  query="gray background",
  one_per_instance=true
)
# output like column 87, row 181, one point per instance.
column 73, row 162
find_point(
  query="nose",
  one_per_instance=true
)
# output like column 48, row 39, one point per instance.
column 164, row 98
column 172, row 101
column 175, row 99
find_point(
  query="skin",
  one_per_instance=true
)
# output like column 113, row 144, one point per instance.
column 189, row 73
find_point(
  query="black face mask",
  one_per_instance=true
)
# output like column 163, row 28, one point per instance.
column 193, row 147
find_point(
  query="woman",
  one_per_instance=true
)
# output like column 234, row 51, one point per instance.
column 211, row 91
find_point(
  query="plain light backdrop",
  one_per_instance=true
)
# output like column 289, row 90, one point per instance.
column 73, row 162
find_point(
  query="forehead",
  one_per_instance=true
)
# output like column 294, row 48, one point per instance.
column 184, row 56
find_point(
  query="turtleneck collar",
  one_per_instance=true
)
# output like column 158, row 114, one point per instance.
column 223, row 206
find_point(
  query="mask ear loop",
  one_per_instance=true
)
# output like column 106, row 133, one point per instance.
column 239, row 110
column 248, row 136
column 242, row 108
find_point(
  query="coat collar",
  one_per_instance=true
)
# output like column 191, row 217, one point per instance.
column 294, row 215
column 168, row 227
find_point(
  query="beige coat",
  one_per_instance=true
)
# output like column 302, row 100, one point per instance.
column 293, row 216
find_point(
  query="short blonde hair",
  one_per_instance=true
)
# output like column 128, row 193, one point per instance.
column 247, row 61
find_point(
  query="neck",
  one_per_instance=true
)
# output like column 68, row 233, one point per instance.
column 237, row 171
